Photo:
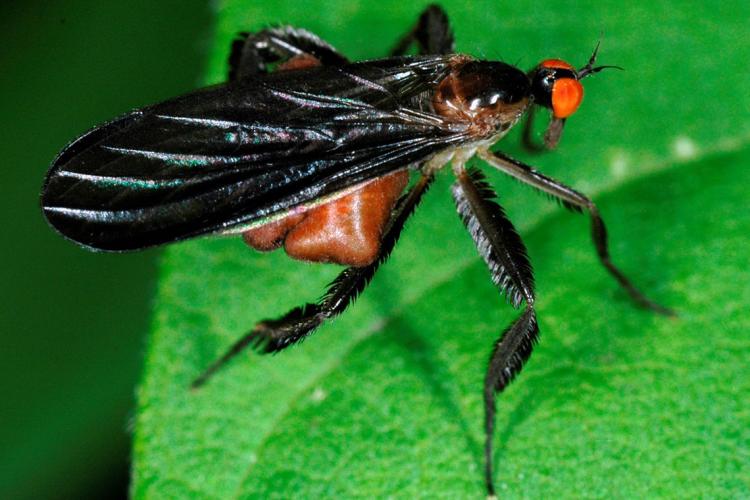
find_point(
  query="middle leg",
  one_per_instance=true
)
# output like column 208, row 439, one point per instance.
column 504, row 253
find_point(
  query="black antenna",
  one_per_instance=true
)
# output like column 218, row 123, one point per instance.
column 589, row 69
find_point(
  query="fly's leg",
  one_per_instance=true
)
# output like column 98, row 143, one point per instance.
column 505, row 254
column 551, row 135
column 252, row 52
column 277, row 334
column 432, row 34
column 576, row 201
column 527, row 139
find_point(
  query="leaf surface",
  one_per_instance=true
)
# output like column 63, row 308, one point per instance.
column 386, row 400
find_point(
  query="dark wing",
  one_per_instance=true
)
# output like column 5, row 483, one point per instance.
column 234, row 154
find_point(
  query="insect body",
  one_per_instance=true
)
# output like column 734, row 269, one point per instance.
column 306, row 150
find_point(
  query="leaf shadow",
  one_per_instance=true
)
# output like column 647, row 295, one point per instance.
column 434, row 373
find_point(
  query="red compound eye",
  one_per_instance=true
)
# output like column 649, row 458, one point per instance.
column 567, row 94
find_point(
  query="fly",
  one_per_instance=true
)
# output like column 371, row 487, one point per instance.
column 328, row 158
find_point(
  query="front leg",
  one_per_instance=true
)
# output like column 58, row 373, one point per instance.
column 551, row 135
column 575, row 200
column 253, row 52
column 278, row 334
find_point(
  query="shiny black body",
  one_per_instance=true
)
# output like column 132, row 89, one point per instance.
column 489, row 81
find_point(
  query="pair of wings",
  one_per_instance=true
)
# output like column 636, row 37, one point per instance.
column 236, row 154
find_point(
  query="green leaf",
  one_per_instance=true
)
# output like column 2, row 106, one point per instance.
column 386, row 400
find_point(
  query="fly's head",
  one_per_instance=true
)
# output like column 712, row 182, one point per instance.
column 556, row 85
column 487, row 96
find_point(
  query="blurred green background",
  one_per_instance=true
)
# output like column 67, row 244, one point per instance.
column 67, row 387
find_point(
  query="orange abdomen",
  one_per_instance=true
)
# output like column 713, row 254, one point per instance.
column 345, row 231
